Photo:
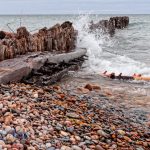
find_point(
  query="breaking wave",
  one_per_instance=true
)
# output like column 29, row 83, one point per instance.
column 102, row 53
column 126, row 52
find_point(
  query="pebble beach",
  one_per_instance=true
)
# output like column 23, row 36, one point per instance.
column 67, row 116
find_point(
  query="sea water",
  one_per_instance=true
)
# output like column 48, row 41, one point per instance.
column 127, row 51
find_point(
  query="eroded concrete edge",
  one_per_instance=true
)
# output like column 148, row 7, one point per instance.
column 14, row 70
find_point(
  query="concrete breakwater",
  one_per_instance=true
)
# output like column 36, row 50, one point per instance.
column 111, row 25
column 60, row 38
column 13, row 70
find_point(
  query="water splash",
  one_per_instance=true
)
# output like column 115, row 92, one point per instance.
column 101, row 51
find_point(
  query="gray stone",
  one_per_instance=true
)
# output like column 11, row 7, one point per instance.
column 51, row 148
column 75, row 147
column 73, row 115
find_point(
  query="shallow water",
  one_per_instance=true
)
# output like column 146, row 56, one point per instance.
column 128, row 97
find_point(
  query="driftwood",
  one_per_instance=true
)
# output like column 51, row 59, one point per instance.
column 60, row 38
column 110, row 25
column 14, row 70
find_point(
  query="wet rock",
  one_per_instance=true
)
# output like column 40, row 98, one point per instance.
column 3, row 132
column 65, row 148
column 96, row 87
column 98, row 147
column 8, row 118
column 8, row 129
column 94, row 137
column 10, row 138
column 70, row 129
column 2, row 143
column 75, row 147
column 83, row 90
column 121, row 132
column 48, row 145
column 77, row 138
column 1, row 106
column 109, row 26
column 102, row 133
column 127, row 139
column 89, row 87
column 139, row 148
column 31, row 148
column 51, row 148
column 64, row 133
column 73, row 115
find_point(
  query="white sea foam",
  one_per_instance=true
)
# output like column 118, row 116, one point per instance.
column 100, row 59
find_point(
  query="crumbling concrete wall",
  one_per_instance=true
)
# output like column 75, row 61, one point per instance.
column 110, row 25
column 60, row 38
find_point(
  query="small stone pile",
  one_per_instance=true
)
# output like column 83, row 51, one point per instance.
column 110, row 25
column 60, row 38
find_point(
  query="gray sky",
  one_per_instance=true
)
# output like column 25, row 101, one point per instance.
column 74, row 6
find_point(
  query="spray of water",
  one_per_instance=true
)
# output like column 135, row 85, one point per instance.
column 100, row 59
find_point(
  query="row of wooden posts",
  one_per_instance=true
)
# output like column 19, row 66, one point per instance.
column 111, row 25
column 60, row 38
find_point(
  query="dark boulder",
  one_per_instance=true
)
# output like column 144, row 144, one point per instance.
column 2, row 35
column 109, row 26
